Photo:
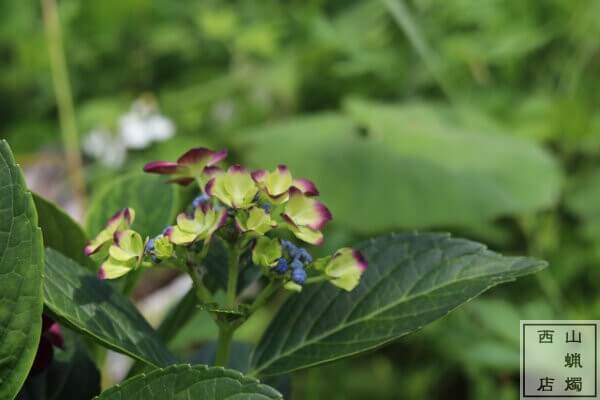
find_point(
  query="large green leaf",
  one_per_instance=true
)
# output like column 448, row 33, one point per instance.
column 90, row 306
column 61, row 232
column 412, row 280
column 187, row 382
column 21, row 266
column 155, row 203
column 407, row 170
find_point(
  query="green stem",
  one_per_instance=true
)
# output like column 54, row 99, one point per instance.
column 232, row 274
column 407, row 23
column 202, row 292
column 64, row 99
column 317, row 279
column 224, row 345
column 264, row 295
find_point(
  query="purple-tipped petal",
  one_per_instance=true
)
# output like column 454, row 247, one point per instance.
column 101, row 274
column 194, row 155
column 325, row 215
column 236, row 169
column 282, row 168
column 168, row 232
column 202, row 154
column 117, row 237
column 222, row 218
column 259, row 175
column 55, row 336
column 208, row 189
column 183, row 181
column 287, row 219
column 128, row 215
column 306, row 186
column 212, row 171
column 360, row 259
column 217, row 156
column 88, row 250
column 161, row 167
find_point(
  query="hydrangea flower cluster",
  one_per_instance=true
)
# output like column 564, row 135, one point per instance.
column 256, row 212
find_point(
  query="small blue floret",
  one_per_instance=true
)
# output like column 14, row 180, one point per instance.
column 304, row 255
column 299, row 276
column 282, row 266
column 149, row 246
column 290, row 247
column 296, row 264
column 198, row 201
column 266, row 207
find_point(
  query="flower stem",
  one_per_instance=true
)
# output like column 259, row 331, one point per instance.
column 232, row 274
column 64, row 99
column 317, row 279
column 202, row 293
column 224, row 345
column 264, row 295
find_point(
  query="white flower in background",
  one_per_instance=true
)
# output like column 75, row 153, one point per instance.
column 144, row 125
column 103, row 146
column 141, row 126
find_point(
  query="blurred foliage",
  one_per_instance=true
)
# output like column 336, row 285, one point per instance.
column 476, row 117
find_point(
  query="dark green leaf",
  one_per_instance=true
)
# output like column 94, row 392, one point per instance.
column 21, row 266
column 187, row 382
column 92, row 307
column 412, row 280
column 155, row 203
column 61, row 232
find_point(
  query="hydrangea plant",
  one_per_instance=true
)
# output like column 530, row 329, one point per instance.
column 244, row 238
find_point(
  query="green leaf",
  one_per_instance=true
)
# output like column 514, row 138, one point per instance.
column 187, row 382
column 155, row 203
column 90, row 306
column 61, row 232
column 430, row 169
column 412, row 280
column 21, row 267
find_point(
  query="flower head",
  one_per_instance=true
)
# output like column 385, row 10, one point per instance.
column 124, row 255
column 201, row 226
column 234, row 188
column 120, row 221
column 255, row 220
column 195, row 164
column 278, row 182
column 305, row 217
column 345, row 268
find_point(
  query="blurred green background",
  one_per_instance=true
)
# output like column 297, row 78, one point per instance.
column 480, row 118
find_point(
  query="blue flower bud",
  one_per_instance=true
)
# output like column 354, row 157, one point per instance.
column 304, row 255
column 299, row 276
column 290, row 247
column 282, row 266
column 296, row 264
column 266, row 207
column 198, row 201
column 149, row 246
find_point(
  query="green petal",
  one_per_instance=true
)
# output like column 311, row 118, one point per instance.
column 292, row 286
column 279, row 181
column 112, row 269
column 266, row 252
column 349, row 281
column 190, row 225
column 177, row 236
